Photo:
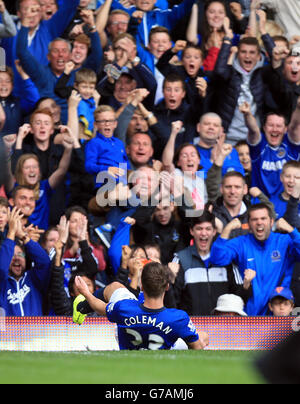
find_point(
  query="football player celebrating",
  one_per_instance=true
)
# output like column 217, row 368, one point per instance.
column 142, row 326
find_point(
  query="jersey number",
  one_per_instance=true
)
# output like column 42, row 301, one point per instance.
column 154, row 342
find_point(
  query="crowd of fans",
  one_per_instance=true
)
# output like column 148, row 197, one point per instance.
column 135, row 130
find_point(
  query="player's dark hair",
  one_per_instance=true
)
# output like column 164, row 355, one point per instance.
column 155, row 279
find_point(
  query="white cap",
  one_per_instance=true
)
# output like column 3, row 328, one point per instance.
column 231, row 304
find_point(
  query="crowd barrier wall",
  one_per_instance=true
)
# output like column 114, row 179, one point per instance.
column 59, row 334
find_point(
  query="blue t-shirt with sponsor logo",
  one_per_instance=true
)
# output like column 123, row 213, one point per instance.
column 267, row 164
column 142, row 328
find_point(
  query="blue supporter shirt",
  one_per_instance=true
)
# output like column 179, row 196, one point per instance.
column 102, row 153
column 231, row 163
column 142, row 328
column 267, row 164
column 273, row 260
column 280, row 205
column 86, row 109
column 40, row 216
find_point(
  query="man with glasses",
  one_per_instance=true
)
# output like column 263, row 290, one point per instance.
column 117, row 23
column 105, row 153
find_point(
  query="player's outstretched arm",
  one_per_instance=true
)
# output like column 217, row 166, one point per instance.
column 96, row 304
column 202, row 342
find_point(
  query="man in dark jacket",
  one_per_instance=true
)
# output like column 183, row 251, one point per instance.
column 242, row 81
column 232, row 202
column 234, row 198
column 191, row 70
column 160, row 228
column 173, row 108
column 283, row 79
column 199, row 283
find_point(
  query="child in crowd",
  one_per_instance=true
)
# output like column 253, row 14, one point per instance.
column 290, row 178
column 160, row 41
column 243, row 150
column 105, row 153
column 85, row 84
column 191, row 70
column 15, row 108
column 282, row 302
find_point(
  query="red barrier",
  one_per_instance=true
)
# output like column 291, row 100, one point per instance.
column 97, row 334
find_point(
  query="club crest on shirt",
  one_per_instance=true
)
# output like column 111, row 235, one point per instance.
column 176, row 236
column 276, row 256
column 281, row 153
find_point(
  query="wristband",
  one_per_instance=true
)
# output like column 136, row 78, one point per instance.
column 226, row 38
column 150, row 116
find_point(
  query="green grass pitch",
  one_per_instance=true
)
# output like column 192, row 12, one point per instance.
column 125, row 367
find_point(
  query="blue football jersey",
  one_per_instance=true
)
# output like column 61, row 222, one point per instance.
column 267, row 164
column 142, row 328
